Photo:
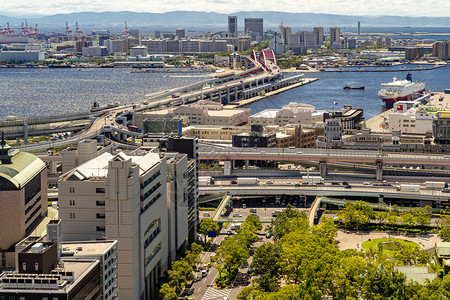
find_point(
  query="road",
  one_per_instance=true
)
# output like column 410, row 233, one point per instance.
column 322, row 155
column 204, row 289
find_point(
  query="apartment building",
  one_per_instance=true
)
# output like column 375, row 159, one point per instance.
column 198, row 115
column 124, row 198
column 293, row 113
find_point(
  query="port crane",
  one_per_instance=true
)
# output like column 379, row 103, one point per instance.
column 126, row 32
column 26, row 31
column 68, row 30
column 78, row 30
column 341, row 63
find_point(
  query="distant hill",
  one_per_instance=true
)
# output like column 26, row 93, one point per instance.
column 217, row 20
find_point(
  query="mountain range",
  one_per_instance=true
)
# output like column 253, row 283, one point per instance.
column 191, row 19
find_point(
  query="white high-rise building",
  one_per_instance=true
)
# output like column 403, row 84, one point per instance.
column 123, row 198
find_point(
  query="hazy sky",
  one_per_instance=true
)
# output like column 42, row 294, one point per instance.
column 32, row 8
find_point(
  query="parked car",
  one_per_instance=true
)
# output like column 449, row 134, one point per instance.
column 253, row 210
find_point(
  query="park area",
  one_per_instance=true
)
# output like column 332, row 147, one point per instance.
column 389, row 245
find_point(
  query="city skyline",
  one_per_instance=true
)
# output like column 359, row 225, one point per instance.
column 39, row 8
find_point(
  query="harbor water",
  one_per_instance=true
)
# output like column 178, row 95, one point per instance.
column 32, row 92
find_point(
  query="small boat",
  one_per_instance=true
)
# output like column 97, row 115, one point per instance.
column 59, row 66
column 356, row 87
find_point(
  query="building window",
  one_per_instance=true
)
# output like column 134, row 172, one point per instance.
column 72, row 215
column 100, row 203
column 71, row 190
column 100, row 216
column 100, row 190
column 101, row 228
column 72, row 202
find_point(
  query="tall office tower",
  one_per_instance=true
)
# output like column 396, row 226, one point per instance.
column 359, row 28
column 180, row 33
column 232, row 26
column 335, row 36
column 123, row 198
column 318, row 36
column 254, row 25
column 285, row 34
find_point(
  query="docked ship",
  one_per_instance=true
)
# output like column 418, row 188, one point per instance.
column 399, row 90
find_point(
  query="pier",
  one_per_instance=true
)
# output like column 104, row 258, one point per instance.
column 381, row 69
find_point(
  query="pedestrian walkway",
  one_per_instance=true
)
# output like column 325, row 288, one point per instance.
column 213, row 294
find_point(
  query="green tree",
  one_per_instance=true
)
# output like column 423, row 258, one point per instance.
column 196, row 248
column 207, row 225
column 383, row 284
column 289, row 219
column 306, row 254
column 356, row 214
column 326, row 228
column 233, row 252
column 255, row 221
column 408, row 218
column 246, row 293
column 266, row 259
column 167, row 292
column 347, row 279
column 392, row 218
column 445, row 228
column 422, row 215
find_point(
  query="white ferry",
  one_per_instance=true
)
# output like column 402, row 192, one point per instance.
column 399, row 90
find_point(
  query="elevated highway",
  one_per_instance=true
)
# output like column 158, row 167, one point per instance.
column 324, row 156
column 228, row 88
column 436, row 196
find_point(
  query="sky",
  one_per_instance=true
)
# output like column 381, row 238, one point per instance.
column 413, row 8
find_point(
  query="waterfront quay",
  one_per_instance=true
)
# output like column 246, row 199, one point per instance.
column 439, row 100
column 258, row 96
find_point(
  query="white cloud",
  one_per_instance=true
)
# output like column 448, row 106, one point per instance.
column 30, row 8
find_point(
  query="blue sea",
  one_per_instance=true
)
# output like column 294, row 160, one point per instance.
column 36, row 92
column 33, row 92
column 329, row 89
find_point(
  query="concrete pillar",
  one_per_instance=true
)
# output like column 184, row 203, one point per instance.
column 133, row 139
column 236, row 94
column 25, row 133
column 53, row 167
column 228, row 95
column 380, row 199
column 246, row 164
column 379, row 174
column 233, row 164
column 227, row 168
column 132, row 118
column 220, row 96
column 323, row 168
